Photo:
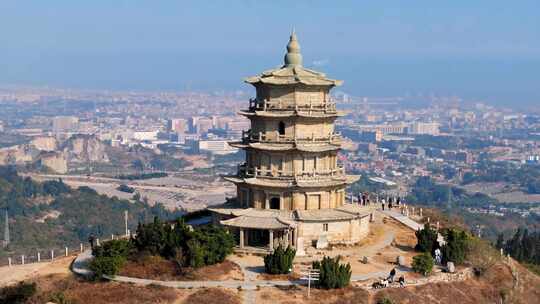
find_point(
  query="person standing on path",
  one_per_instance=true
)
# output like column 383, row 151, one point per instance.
column 91, row 240
column 392, row 275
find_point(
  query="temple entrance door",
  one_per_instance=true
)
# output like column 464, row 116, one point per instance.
column 258, row 238
column 274, row 203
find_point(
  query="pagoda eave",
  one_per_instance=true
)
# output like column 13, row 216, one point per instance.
column 285, row 147
column 294, row 183
column 285, row 114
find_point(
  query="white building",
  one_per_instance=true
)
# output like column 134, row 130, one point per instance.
column 216, row 146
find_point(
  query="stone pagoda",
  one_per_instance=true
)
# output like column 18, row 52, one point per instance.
column 291, row 188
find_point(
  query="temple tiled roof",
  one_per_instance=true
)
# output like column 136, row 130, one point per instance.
column 256, row 222
column 281, row 219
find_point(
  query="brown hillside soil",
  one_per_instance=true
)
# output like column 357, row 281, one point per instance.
column 297, row 295
column 82, row 292
column 435, row 216
column 484, row 289
column 213, row 296
column 158, row 268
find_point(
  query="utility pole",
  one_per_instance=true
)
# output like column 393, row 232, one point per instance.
column 6, row 231
column 126, row 222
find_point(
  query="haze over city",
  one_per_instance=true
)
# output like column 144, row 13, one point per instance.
column 486, row 51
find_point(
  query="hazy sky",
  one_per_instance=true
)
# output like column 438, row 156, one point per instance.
column 477, row 49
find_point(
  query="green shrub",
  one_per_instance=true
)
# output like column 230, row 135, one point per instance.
column 19, row 293
column 426, row 239
column 385, row 301
column 113, row 248
column 106, row 265
column 332, row 273
column 195, row 248
column 280, row 261
column 456, row 245
column 60, row 298
column 208, row 246
column 423, row 263
column 153, row 237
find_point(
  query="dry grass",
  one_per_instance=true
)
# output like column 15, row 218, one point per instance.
column 158, row 268
column 279, row 277
column 82, row 292
column 297, row 295
column 213, row 296
column 485, row 289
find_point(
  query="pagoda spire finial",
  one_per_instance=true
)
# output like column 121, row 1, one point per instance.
column 293, row 57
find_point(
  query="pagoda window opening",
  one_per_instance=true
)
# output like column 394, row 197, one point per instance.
column 281, row 128
column 274, row 203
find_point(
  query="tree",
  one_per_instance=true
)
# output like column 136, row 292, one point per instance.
column 426, row 239
column 106, row 265
column 500, row 241
column 280, row 261
column 113, row 248
column 423, row 263
column 332, row 274
column 481, row 255
column 456, row 245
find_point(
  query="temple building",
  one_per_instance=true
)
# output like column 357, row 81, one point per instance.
column 291, row 188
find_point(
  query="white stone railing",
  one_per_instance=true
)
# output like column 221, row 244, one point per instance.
column 244, row 171
column 274, row 137
column 50, row 255
column 278, row 104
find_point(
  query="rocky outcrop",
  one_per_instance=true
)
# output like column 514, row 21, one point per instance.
column 54, row 161
column 46, row 151
column 45, row 143
column 85, row 148
column 18, row 154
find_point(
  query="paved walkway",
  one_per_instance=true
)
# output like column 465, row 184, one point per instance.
column 405, row 220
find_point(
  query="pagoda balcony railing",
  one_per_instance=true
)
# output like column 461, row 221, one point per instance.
column 274, row 137
column 278, row 104
column 249, row 172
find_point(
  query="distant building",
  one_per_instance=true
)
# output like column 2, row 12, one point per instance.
column 145, row 135
column 429, row 128
column 533, row 159
column 464, row 156
column 371, row 136
column 367, row 148
column 177, row 125
column 216, row 146
column 393, row 128
column 65, row 123
column 203, row 125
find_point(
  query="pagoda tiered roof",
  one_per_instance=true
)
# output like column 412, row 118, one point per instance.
column 292, row 182
column 290, row 75
column 291, row 113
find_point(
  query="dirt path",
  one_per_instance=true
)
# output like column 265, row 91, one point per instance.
column 17, row 273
